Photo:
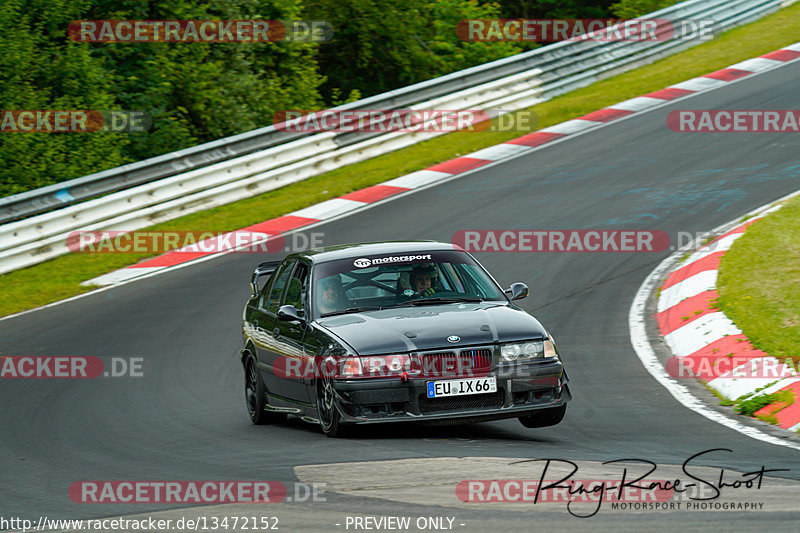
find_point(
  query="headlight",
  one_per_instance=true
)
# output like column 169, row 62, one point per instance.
column 521, row 350
column 528, row 350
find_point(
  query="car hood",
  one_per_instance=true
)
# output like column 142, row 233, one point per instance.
column 408, row 329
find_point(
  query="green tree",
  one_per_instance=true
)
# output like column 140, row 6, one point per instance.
column 40, row 70
column 198, row 92
column 555, row 9
column 628, row 9
column 380, row 45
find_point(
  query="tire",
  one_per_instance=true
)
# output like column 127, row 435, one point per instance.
column 544, row 417
column 329, row 419
column 255, row 395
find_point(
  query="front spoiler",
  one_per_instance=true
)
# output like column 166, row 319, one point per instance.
column 397, row 401
column 469, row 417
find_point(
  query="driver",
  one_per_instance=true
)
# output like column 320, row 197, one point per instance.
column 421, row 281
column 331, row 295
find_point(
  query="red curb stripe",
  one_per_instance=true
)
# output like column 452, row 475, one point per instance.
column 789, row 416
column 728, row 74
column 170, row 259
column 786, row 416
column 685, row 312
column 738, row 229
column 536, row 138
column 275, row 226
column 770, row 409
column 782, row 55
column 702, row 360
column 271, row 227
column 709, row 262
column 374, row 193
column 458, row 165
column 606, row 115
column 669, row 93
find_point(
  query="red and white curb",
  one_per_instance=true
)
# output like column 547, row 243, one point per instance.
column 358, row 199
column 640, row 318
column 707, row 345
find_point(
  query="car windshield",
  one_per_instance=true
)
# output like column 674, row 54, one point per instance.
column 418, row 278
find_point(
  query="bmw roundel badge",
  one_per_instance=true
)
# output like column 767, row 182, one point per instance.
column 453, row 338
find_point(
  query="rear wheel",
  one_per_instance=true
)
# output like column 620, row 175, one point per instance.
column 256, row 397
column 329, row 418
column 544, row 417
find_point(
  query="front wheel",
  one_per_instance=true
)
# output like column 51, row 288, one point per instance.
column 329, row 418
column 255, row 394
column 544, row 417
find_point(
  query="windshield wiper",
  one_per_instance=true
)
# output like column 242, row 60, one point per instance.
column 431, row 301
column 351, row 310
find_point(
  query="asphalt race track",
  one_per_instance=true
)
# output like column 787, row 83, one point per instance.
column 185, row 419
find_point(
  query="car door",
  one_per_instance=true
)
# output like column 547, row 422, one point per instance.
column 264, row 323
column 289, row 336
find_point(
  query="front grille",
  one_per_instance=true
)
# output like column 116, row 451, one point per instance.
column 461, row 403
column 448, row 363
column 478, row 359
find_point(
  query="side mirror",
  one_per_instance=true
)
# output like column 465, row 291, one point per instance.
column 289, row 313
column 518, row 291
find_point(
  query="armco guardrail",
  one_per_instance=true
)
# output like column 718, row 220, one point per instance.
column 261, row 160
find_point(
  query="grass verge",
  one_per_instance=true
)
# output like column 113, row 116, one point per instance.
column 758, row 281
column 749, row 406
column 61, row 277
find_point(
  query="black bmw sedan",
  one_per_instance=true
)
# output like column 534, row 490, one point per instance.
column 395, row 331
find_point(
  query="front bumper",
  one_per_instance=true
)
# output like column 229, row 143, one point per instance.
column 521, row 389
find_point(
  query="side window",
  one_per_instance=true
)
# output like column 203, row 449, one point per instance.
column 297, row 286
column 276, row 291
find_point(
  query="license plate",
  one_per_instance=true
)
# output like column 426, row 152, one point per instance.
column 461, row 387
